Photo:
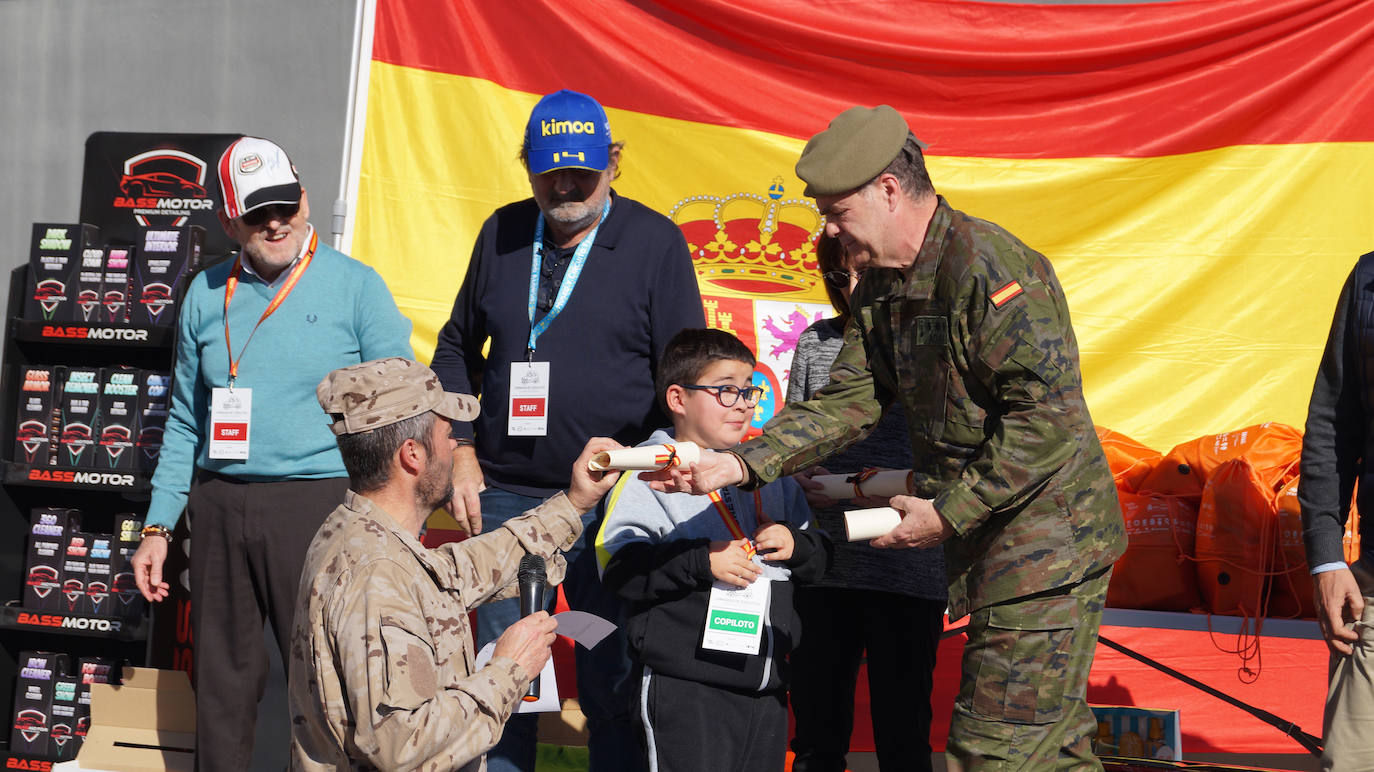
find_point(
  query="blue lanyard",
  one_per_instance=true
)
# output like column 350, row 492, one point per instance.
column 569, row 279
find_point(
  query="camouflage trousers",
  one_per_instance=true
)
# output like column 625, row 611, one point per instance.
column 1021, row 702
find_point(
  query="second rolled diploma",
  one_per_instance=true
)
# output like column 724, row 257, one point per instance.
column 884, row 483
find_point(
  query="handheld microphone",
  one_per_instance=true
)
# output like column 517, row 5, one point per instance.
column 532, row 579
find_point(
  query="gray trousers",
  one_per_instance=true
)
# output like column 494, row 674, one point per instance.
column 248, row 545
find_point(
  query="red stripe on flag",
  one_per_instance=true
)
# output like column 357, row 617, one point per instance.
column 973, row 78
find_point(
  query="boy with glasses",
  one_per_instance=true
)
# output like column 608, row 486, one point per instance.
column 708, row 579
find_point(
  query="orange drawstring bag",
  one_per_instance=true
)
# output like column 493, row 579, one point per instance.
column 1236, row 534
column 1130, row 461
column 1185, row 470
column 1291, row 593
column 1155, row 572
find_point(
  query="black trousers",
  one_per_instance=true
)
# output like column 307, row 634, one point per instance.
column 248, row 545
column 691, row 727
column 900, row 635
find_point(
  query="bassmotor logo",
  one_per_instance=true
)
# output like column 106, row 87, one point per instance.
column 163, row 186
column 71, row 623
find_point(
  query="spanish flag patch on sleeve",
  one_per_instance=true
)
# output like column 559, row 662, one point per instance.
column 1002, row 296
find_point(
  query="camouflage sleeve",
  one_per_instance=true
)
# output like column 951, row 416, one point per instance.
column 1023, row 353
column 485, row 566
column 410, row 711
column 805, row 433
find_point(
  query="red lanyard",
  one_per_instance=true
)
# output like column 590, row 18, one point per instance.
column 232, row 283
column 732, row 524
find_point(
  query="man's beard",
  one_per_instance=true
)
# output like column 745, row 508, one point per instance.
column 435, row 487
column 574, row 216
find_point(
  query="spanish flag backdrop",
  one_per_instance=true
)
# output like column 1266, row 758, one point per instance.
column 1199, row 172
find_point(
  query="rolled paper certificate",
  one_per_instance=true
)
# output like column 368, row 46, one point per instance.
column 869, row 482
column 865, row 524
column 647, row 457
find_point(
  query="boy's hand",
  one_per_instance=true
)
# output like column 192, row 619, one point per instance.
column 588, row 487
column 774, row 542
column 730, row 563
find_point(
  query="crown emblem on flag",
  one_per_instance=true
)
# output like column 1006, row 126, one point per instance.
column 753, row 243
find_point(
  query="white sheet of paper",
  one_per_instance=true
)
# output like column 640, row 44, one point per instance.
column 586, row 629
column 548, row 701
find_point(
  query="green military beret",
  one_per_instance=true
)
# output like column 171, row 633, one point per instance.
column 853, row 149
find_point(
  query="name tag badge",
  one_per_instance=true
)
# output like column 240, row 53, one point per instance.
column 735, row 616
column 231, row 414
column 529, row 400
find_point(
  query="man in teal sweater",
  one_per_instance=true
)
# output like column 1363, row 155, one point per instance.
column 245, row 451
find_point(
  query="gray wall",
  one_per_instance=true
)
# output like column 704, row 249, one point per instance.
column 273, row 68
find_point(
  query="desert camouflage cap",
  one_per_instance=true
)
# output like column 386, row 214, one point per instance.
column 365, row 396
column 852, row 150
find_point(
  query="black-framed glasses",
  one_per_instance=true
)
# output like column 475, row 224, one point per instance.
column 729, row 395
column 839, row 279
column 262, row 214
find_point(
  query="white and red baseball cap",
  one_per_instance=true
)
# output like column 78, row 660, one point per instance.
column 255, row 172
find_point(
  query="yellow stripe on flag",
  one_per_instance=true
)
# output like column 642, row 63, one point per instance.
column 1201, row 285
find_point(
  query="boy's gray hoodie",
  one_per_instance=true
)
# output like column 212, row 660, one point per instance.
column 653, row 550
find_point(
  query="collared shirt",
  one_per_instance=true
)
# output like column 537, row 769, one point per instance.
column 382, row 662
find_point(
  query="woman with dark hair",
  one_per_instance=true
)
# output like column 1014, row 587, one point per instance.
column 886, row 603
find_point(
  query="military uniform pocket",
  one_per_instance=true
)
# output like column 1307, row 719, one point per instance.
column 923, row 368
column 1017, row 670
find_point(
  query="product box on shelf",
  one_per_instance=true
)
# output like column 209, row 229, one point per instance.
column 62, row 740
column 33, row 693
column 99, row 557
column 166, row 259
column 126, row 601
column 88, row 283
column 93, row 670
column 114, row 287
column 48, row 528
column 154, row 397
column 74, row 559
column 54, row 268
column 79, row 404
column 118, row 415
column 33, row 425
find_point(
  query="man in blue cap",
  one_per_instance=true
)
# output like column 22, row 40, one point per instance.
column 578, row 289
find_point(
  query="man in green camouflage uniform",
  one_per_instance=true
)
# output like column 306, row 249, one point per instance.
column 968, row 328
column 382, row 671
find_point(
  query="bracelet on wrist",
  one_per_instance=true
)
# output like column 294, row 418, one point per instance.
column 156, row 530
column 463, row 442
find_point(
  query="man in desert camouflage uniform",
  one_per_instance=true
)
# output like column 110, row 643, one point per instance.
column 968, row 328
column 382, row 671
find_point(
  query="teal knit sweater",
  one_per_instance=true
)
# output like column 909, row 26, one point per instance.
column 340, row 313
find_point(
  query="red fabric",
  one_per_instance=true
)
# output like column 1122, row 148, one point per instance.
column 1062, row 80
column 1291, row 685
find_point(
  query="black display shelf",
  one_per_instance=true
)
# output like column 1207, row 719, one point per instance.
column 70, row 478
column 15, row 617
column 92, row 334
